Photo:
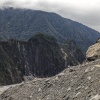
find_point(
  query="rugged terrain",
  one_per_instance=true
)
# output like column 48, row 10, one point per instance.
column 80, row 82
column 4, row 88
column 26, row 53
column 75, row 83
column 41, row 56
column 22, row 24
column 22, row 53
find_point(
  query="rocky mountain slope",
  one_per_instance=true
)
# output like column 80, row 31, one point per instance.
column 22, row 24
column 41, row 56
column 25, row 53
column 8, row 72
column 80, row 82
column 75, row 83
column 74, row 53
column 4, row 88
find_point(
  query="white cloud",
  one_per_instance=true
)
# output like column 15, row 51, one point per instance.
column 84, row 11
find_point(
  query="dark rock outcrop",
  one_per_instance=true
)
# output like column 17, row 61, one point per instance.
column 9, row 74
column 41, row 56
column 98, row 41
column 74, row 54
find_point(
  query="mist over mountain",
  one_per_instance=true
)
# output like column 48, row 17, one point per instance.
column 22, row 24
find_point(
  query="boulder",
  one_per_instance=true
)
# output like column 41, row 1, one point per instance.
column 93, row 52
column 98, row 41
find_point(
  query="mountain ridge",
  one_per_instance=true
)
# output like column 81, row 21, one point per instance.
column 22, row 24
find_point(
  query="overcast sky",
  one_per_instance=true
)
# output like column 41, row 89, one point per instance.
column 83, row 11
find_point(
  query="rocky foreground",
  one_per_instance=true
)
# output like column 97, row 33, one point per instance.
column 80, row 82
column 74, row 83
column 4, row 88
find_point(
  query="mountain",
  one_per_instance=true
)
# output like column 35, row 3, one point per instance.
column 80, row 82
column 40, row 56
column 22, row 24
column 44, row 46
column 39, row 44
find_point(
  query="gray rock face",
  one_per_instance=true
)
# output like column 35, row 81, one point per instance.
column 73, row 53
column 75, row 83
column 40, row 56
column 98, row 41
column 93, row 52
column 23, row 24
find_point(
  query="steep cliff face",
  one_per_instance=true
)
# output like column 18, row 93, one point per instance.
column 9, row 73
column 47, row 57
column 74, row 54
column 41, row 56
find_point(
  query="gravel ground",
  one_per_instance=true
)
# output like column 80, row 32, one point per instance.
column 74, row 83
column 4, row 88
